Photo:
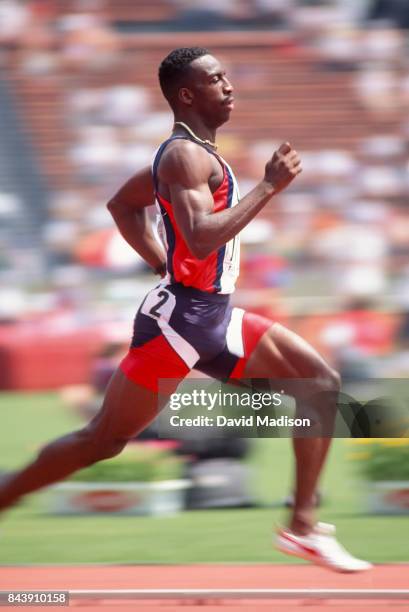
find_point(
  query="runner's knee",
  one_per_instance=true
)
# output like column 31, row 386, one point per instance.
column 99, row 447
column 328, row 380
column 320, row 387
column 109, row 449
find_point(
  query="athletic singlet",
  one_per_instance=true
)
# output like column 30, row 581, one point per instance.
column 218, row 272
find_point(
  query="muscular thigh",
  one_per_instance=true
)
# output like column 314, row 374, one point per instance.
column 281, row 353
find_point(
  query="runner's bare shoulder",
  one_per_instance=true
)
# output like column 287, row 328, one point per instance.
column 185, row 162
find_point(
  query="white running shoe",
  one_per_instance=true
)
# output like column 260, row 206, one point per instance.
column 320, row 547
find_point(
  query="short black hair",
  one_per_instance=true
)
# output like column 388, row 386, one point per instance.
column 175, row 66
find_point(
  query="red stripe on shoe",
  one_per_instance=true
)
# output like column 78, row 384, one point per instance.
column 307, row 549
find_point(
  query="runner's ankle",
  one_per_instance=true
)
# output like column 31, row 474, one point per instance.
column 302, row 523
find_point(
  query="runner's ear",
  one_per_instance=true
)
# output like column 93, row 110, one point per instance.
column 185, row 96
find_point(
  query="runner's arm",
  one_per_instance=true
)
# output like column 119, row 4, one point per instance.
column 186, row 171
column 128, row 209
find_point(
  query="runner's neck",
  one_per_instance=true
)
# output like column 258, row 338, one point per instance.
column 195, row 136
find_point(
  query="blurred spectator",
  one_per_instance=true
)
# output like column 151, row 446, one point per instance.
column 206, row 14
column 386, row 147
column 37, row 43
column 262, row 271
column 383, row 44
column 378, row 88
column 339, row 46
column 97, row 153
column 135, row 153
column 85, row 105
column 60, row 238
column 364, row 328
column 354, row 255
column 88, row 41
column 358, row 335
column 15, row 18
column 153, row 128
column 124, row 104
column 394, row 10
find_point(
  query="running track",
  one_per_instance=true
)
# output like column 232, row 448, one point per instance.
column 209, row 577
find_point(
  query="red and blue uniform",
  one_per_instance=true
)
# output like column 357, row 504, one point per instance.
column 218, row 272
column 187, row 321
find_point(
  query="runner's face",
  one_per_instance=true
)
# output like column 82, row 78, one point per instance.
column 212, row 91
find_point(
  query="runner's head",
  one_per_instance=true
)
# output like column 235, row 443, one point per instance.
column 195, row 82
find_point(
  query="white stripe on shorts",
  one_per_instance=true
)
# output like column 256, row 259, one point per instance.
column 185, row 350
column 234, row 335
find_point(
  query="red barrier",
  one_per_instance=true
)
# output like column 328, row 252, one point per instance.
column 32, row 358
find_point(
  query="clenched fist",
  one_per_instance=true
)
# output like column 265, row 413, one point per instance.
column 283, row 167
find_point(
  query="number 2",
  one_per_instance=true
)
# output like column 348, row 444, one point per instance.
column 164, row 295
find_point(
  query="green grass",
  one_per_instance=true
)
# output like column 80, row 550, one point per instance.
column 29, row 535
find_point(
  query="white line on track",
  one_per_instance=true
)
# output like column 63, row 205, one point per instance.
column 402, row 594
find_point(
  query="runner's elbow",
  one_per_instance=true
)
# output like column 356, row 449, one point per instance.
column 112, row 206
column 116, row 208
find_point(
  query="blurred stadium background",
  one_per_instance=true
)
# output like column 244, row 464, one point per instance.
column 81, row 110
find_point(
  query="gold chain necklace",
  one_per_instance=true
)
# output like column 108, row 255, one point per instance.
column 191, row 132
